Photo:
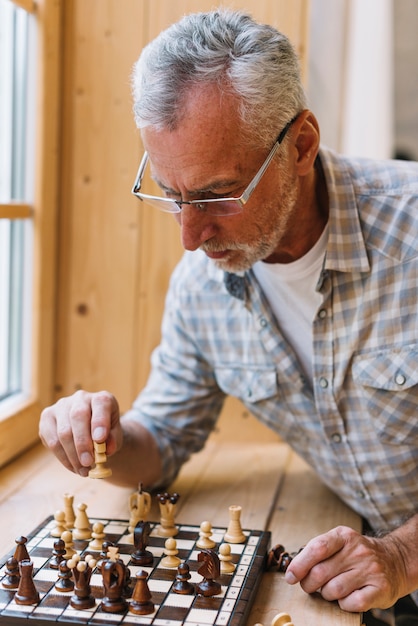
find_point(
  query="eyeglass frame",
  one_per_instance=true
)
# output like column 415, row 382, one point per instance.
column 241, row 201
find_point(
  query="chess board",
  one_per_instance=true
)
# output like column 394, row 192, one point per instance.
column 230, row 608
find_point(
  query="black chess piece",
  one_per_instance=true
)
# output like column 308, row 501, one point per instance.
column 27, row 592
column 181, row 584
column 21, row 552
column 57, row 554
column 65, row 578
column 114, row 580
column 12, row 578
column 210, row 570
column 142, row 556
column 141, row 603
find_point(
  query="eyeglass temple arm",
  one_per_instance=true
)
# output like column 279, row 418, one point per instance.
column 140, row 173
column 260, row 173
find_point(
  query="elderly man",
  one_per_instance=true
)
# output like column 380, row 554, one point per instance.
column 297, row 293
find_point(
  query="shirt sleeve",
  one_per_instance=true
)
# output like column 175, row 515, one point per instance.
column 181, row 401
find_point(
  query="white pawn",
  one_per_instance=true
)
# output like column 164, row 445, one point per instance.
column 205, row 542
column 82, row 526
column 67, row 537
column 60, row 526
column 225, row 558
column 98, row 537
column 170, row 550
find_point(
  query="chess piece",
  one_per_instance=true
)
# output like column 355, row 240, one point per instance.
column 139, row 507
column 58, row 554
column 141, row 603
column 67, row 538
column 204, row 541
column 21, row 552
column 64, row 582
column 100, row 459
column 69, row 511
column 98, row 537
column 225, row 558
column 60, row 525
column 234, row 533
column 82, row 571
column 142, row 556
column 82, row 526
column 104, row 553
column 170, row 559
column 114, row 579
column 167, row 504
column 12, row 577
column 27, row 592
column 210, row 570
column 181, row 584
column 279, row 558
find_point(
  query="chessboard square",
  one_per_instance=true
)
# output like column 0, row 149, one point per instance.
column 229, row 604
column 136, row 568
column 110, row 618
column 125, row 557
column 223, row 618
column 115, row 528
column 46, row 574
column 237, row 581
column 233, row 592
column 168, row 615
column 201, row 616
column 47, row 611
column 195, row 577
column 130, row 618
column 241, row 570
column 246, row 559
column 176, row 599
column 96, row 580
column 47, row 542
column 217, row 537
column 185, row 544
column 156, row 551
column 249, row 550
column 156, row 584
column 15, row 609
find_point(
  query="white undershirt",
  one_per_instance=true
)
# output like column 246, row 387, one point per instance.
column 290, row 290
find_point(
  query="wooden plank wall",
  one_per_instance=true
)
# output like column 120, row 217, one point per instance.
column 114, row 257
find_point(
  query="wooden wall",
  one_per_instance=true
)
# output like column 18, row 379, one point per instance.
column 115, row 257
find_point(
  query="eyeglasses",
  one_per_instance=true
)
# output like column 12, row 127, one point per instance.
column 211, row 206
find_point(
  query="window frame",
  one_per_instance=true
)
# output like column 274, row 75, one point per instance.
column 19, row 416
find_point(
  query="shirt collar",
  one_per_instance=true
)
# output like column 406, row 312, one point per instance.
column 346, row 250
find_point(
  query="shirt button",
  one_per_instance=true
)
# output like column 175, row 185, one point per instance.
column 400, row 379
column 336, row 437
column 323, row 382
column 322, row 313
column 360, row 494
column 263, row 322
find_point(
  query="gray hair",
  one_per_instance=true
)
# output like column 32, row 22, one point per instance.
column 226, row 48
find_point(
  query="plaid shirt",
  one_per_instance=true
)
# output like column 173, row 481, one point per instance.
column 356, row 422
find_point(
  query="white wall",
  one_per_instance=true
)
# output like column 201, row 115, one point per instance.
column 351, row 79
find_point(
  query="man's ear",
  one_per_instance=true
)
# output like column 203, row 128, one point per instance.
column 305, row 141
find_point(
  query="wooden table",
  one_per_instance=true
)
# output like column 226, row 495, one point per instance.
column 276, row 489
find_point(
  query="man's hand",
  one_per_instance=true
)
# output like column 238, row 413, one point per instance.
column 70, row 426
column 360, row 572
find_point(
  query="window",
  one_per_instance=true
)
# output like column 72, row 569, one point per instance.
column 16, row 164
column 29, row 120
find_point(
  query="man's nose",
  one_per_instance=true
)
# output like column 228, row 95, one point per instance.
column 196, row 227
